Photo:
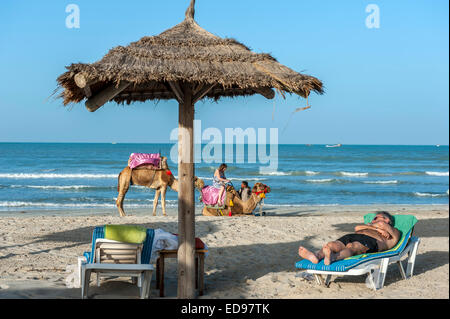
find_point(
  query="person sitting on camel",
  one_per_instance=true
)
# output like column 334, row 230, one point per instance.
column 379, row 235
column 220, row 181
column 245, row 192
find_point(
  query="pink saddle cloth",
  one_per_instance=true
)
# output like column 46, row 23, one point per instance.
column 138, row 159
column 210, row 195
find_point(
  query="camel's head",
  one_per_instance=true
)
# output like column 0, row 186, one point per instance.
column 164, row 163
column 199, row 183
column 261, row 189
column 231, row 189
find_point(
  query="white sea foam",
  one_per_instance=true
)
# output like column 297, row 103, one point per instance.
column 353, row 174
column 237, row 179
column 49, row 176
column 255, row 179
column 277, row 173
column 437, row 173
column 429, row 194
column 37, row 204
column 324, row 180
column 52, row 186
column 296, row 173
column 147, row 200
column 382, row 182
column 79, row 205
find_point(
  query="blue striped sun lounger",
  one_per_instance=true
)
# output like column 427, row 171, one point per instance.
column 373, row 264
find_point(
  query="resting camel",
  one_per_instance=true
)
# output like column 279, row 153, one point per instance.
column 158, row 179
column 239, row 207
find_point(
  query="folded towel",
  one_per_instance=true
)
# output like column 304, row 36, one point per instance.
column 199, row 244
column 163, row 241
column 126, row 233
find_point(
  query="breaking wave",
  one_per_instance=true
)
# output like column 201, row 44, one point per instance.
column 437, row 173
column 430, row 194
column 353, row 174
column 324, row 180
column 381, row 182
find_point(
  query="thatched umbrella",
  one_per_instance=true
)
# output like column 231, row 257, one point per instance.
column 186, row 63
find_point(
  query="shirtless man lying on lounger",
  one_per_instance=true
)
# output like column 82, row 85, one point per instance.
column 377, row 236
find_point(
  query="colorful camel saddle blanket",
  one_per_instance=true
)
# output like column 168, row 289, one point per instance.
column 144, row 160
column 210, row 195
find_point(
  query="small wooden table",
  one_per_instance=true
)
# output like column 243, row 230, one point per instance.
column 199, row 269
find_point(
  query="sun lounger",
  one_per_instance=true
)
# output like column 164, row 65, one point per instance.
column 117, row 258
column 375, row 264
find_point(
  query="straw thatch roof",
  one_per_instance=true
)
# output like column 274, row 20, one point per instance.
column 184, row 53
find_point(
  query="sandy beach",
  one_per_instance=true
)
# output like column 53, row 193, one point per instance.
column 249, row 257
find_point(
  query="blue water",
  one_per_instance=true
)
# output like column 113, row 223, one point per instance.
column 79, row 176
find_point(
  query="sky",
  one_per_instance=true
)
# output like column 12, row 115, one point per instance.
column 385, row 83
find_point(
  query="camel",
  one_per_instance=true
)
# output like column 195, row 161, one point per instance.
column 158, row 179
column 237, row 206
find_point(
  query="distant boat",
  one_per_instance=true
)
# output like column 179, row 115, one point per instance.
column 438, row 145
column 336, row 145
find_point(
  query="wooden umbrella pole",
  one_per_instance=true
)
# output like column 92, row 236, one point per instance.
column 186, row 208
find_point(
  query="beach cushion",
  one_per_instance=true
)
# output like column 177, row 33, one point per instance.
column 404, row 223
column 126, row 233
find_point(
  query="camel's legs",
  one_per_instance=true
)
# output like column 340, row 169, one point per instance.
column 163, row 200
column 155, row 201
column 124, row 184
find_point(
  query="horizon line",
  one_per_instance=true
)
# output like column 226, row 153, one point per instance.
column 172, row 143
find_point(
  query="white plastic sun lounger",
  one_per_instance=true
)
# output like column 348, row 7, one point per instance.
column 116, row 258
column 113, row 258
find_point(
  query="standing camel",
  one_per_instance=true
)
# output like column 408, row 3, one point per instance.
column 158, row 179
column 239, row 207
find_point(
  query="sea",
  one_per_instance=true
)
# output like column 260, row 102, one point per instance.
column 77, row 176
